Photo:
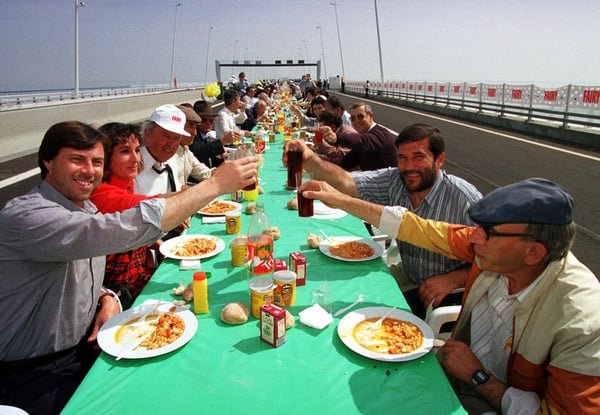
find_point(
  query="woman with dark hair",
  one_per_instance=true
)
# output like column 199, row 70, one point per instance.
column 126, row 273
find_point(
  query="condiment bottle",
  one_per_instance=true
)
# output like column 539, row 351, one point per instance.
column 200, row 289
column 260, row 245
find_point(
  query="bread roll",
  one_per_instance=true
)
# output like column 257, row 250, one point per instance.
column 234, row 313
column 292, row 204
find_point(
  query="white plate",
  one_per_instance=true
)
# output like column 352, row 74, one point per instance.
column 350, row 320
column 236, row 205
column 166, row 246
column 322, row 211
column 324, row 247
column 106, row 335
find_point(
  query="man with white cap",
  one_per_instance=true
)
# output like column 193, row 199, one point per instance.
column 528, row 337
column 162, row 135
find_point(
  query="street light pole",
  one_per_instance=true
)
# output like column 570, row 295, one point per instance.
column 172, row 79
column 305, row 49
column 78, row 4
column 235, row 43
column 207, row 50
column 322, row 50
column 379, row 42
column 339, row 37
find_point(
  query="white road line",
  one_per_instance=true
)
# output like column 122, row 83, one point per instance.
column 511, row 137
column 19, row 177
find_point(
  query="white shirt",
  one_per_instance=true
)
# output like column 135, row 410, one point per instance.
column 149, row 182
column 226, row 121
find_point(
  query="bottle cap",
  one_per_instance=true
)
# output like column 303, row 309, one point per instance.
column 199, row 276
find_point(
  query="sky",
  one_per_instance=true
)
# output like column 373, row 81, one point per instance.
column 130, row 42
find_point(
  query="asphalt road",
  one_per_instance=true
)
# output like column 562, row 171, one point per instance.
column 486, row 157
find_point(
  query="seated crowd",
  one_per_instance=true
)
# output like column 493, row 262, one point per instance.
column 85, row 239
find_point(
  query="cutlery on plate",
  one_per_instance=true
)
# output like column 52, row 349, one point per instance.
column 143, row 318
column 134, row 345
column 327, row 237
column 359, row 300
column 377, row 324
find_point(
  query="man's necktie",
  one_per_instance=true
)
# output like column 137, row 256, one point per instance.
column 158, row 169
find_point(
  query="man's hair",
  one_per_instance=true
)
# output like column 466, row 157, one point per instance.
column 73, row 134
column 418, row 132
column 311, row 90
column 318, row 100
column 335, row 103
column 556, row 238
column 367, row 107
column 229, row 96
column 116, row 133
column 330, row 119
column 241, row 74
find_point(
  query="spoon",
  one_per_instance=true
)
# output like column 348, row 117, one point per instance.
column 359, row 300
column 377, row 324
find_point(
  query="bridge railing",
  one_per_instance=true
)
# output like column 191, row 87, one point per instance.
column 570, row 106
column 11, row 101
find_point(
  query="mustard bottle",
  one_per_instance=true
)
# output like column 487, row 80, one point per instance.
column 200, row 289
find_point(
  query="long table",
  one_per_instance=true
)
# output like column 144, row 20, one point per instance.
column 229, row 370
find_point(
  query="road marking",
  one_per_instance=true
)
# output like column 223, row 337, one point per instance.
column 19, row 177
column 512, row 137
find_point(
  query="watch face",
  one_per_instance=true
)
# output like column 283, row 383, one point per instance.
column 480, row 377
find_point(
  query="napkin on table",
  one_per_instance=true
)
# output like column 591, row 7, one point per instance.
column 316, row 317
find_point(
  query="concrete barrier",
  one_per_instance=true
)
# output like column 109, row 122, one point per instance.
column 21, row 130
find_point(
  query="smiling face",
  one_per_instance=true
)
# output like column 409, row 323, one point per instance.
column 361, row 119
column 161, row 144
column 125, row 159
column 76, row 173
column 417, row 165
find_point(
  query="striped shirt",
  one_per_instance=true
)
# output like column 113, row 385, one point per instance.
column 449, row 199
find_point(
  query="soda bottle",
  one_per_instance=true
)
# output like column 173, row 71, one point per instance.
column 260, row 245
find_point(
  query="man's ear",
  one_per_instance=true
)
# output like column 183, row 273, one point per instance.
column 536, row 254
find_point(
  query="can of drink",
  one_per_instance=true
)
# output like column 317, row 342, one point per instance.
column 284, row 291
column 272, row 137
column 238, row 251
column 261, row 293
column 233, row 222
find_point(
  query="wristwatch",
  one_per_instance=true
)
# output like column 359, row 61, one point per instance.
column 480, row 377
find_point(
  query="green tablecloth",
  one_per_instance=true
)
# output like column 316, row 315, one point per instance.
column 229, row 370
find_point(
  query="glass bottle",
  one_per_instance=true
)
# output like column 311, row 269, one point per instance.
column 260, row 245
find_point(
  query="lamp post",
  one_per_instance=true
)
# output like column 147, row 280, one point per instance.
column 172, row 79
column 207, row 50
column 379, row 42
column 78, row 4
column 235, row 43
column 322, row 50
column 305, row 49
column 339, row 37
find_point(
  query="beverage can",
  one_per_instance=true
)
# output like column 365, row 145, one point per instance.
column 284, row 291
column 238, row 251
column 233, row 222
column 261, row 292
column 272, row 137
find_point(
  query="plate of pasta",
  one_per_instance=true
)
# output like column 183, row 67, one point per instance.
column 351, row 248
column 192, row 247
column 220, row 208
column 402, row 336
column 164, row 329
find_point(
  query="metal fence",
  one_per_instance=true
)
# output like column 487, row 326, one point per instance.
column 570, row 106
column 20, row 100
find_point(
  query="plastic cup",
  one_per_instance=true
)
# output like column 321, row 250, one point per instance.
column 294, row 165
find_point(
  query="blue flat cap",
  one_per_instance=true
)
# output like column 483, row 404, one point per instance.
column 536, row 201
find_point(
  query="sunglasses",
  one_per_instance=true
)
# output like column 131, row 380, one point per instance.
column 491, row 232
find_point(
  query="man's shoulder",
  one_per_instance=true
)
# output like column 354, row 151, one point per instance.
column 462, row 186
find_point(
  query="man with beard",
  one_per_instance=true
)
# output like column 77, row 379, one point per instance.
column 419, row 184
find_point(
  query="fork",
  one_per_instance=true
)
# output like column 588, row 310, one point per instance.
column 377, row 324
column 359, row 300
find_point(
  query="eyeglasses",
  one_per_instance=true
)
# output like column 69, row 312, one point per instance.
column 490, row 232
column 358, row 117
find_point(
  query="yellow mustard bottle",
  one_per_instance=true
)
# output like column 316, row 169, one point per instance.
column 200, row 289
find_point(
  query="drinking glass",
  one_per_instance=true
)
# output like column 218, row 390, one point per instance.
column 305, row 206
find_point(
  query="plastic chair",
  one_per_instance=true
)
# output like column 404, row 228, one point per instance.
column 437, row 317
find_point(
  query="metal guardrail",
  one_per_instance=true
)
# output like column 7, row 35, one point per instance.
column 564, row 116
column 11, row 101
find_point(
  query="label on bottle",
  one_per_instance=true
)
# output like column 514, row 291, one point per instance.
column 260, row 254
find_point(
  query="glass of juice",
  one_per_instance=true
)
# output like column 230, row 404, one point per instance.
column 294, row 166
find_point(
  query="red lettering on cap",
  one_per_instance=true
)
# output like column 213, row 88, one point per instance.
column 176, row 118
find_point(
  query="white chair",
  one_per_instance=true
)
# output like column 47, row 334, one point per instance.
column 437, row 317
